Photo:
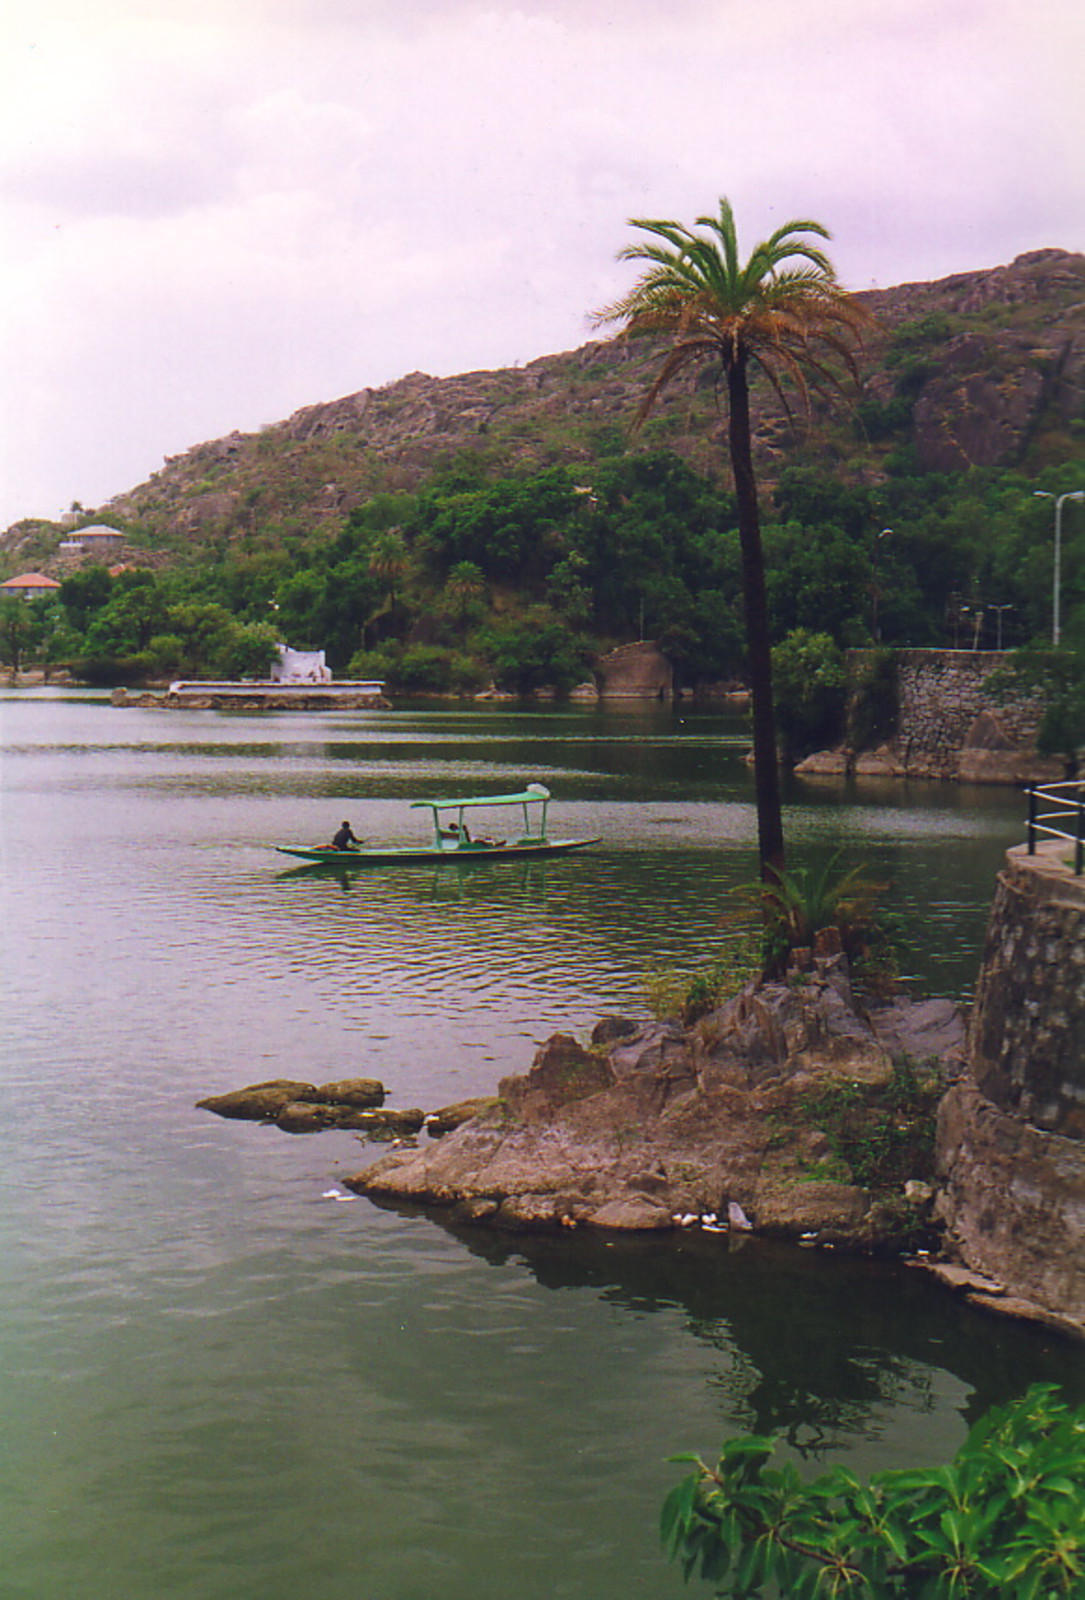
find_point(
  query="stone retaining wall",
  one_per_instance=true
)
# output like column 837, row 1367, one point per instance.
column 1011, row 1132
column 947, row 725
column 940, row 698
column 1027, row 1044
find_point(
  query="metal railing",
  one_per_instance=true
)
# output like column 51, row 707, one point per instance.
column 1067, row 821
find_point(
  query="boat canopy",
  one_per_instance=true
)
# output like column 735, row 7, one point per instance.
column 534, row 794
column 534, row 791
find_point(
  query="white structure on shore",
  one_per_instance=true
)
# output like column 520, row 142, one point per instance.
column 299, row 666
column 299, row 678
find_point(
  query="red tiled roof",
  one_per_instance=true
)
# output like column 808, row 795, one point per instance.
column 30, row 580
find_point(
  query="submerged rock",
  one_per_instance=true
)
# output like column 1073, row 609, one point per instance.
column 454, row 1116
column 298, row 1107
column 259, row 1102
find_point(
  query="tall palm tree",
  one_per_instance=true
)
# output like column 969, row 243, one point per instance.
column 782, row 313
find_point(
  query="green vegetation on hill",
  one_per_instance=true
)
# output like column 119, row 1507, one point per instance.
column 443, row 533
column 523, row 580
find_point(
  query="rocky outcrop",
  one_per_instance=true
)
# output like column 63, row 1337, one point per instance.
column 1011, row 1132
column 460, row 1111
column 988, row 386
column 236, row 697
column 973, row 413
column 655, row 1126
column 356, row 1103
column 1012, row 358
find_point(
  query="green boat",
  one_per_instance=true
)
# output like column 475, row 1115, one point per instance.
column 453, row 839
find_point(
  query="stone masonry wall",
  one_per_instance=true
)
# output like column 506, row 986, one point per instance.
column 1011, row 1132
column 949, row 726
column 940, row 695
column 1027, row 1043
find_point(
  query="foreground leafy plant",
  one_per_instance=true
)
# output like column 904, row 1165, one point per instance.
column 1005, row 1517
column 882, row 1134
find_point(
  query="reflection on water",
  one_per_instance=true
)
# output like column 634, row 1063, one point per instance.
column 822, row 1349
column 219, row 1382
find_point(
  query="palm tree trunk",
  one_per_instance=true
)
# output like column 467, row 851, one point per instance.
column 766, row 771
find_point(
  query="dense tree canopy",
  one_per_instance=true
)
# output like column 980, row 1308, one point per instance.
column 634, row 545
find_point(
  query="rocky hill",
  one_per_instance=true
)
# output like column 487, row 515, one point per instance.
column 983, row 368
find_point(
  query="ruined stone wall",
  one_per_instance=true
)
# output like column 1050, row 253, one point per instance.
column 634, row 672
column 1011, row 1133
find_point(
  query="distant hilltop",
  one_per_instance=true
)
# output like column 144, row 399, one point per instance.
column 977, row 369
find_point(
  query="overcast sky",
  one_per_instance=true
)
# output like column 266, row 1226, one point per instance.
column 217, row 211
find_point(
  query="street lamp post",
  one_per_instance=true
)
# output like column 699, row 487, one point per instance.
column 999, row 610
column 875, row 632
column 1059, row 499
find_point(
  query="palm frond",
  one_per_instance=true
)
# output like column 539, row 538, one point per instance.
column 684, row 355
column 795, row 905
column 783, row 310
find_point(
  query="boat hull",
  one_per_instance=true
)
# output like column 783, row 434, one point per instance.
column 462, row 855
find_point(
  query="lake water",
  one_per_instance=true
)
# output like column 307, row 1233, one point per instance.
column 220, row 1384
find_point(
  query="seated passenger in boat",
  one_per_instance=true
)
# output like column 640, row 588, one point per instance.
column 454, row 831
column 344, row 838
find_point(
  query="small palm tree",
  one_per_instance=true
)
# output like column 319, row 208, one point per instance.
column 794, row 907
column 782, row 313
column 465, row 589
column 803, row 902
column 389, row 560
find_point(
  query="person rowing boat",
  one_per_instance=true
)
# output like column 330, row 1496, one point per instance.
column 451, row 839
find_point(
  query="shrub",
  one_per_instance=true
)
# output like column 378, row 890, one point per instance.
column 792, row 907
column 248, row 651
column 1056, row 679
column 809, row 681
column 686, row 996
column 431, row 669
column 883, row 1134
column 537, row 652
column 877, row 419
column 872, row 701
column 378, row 664
column 1004, row 1518
column 423, row 669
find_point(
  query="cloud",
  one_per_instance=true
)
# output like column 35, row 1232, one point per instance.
column 220, row 210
